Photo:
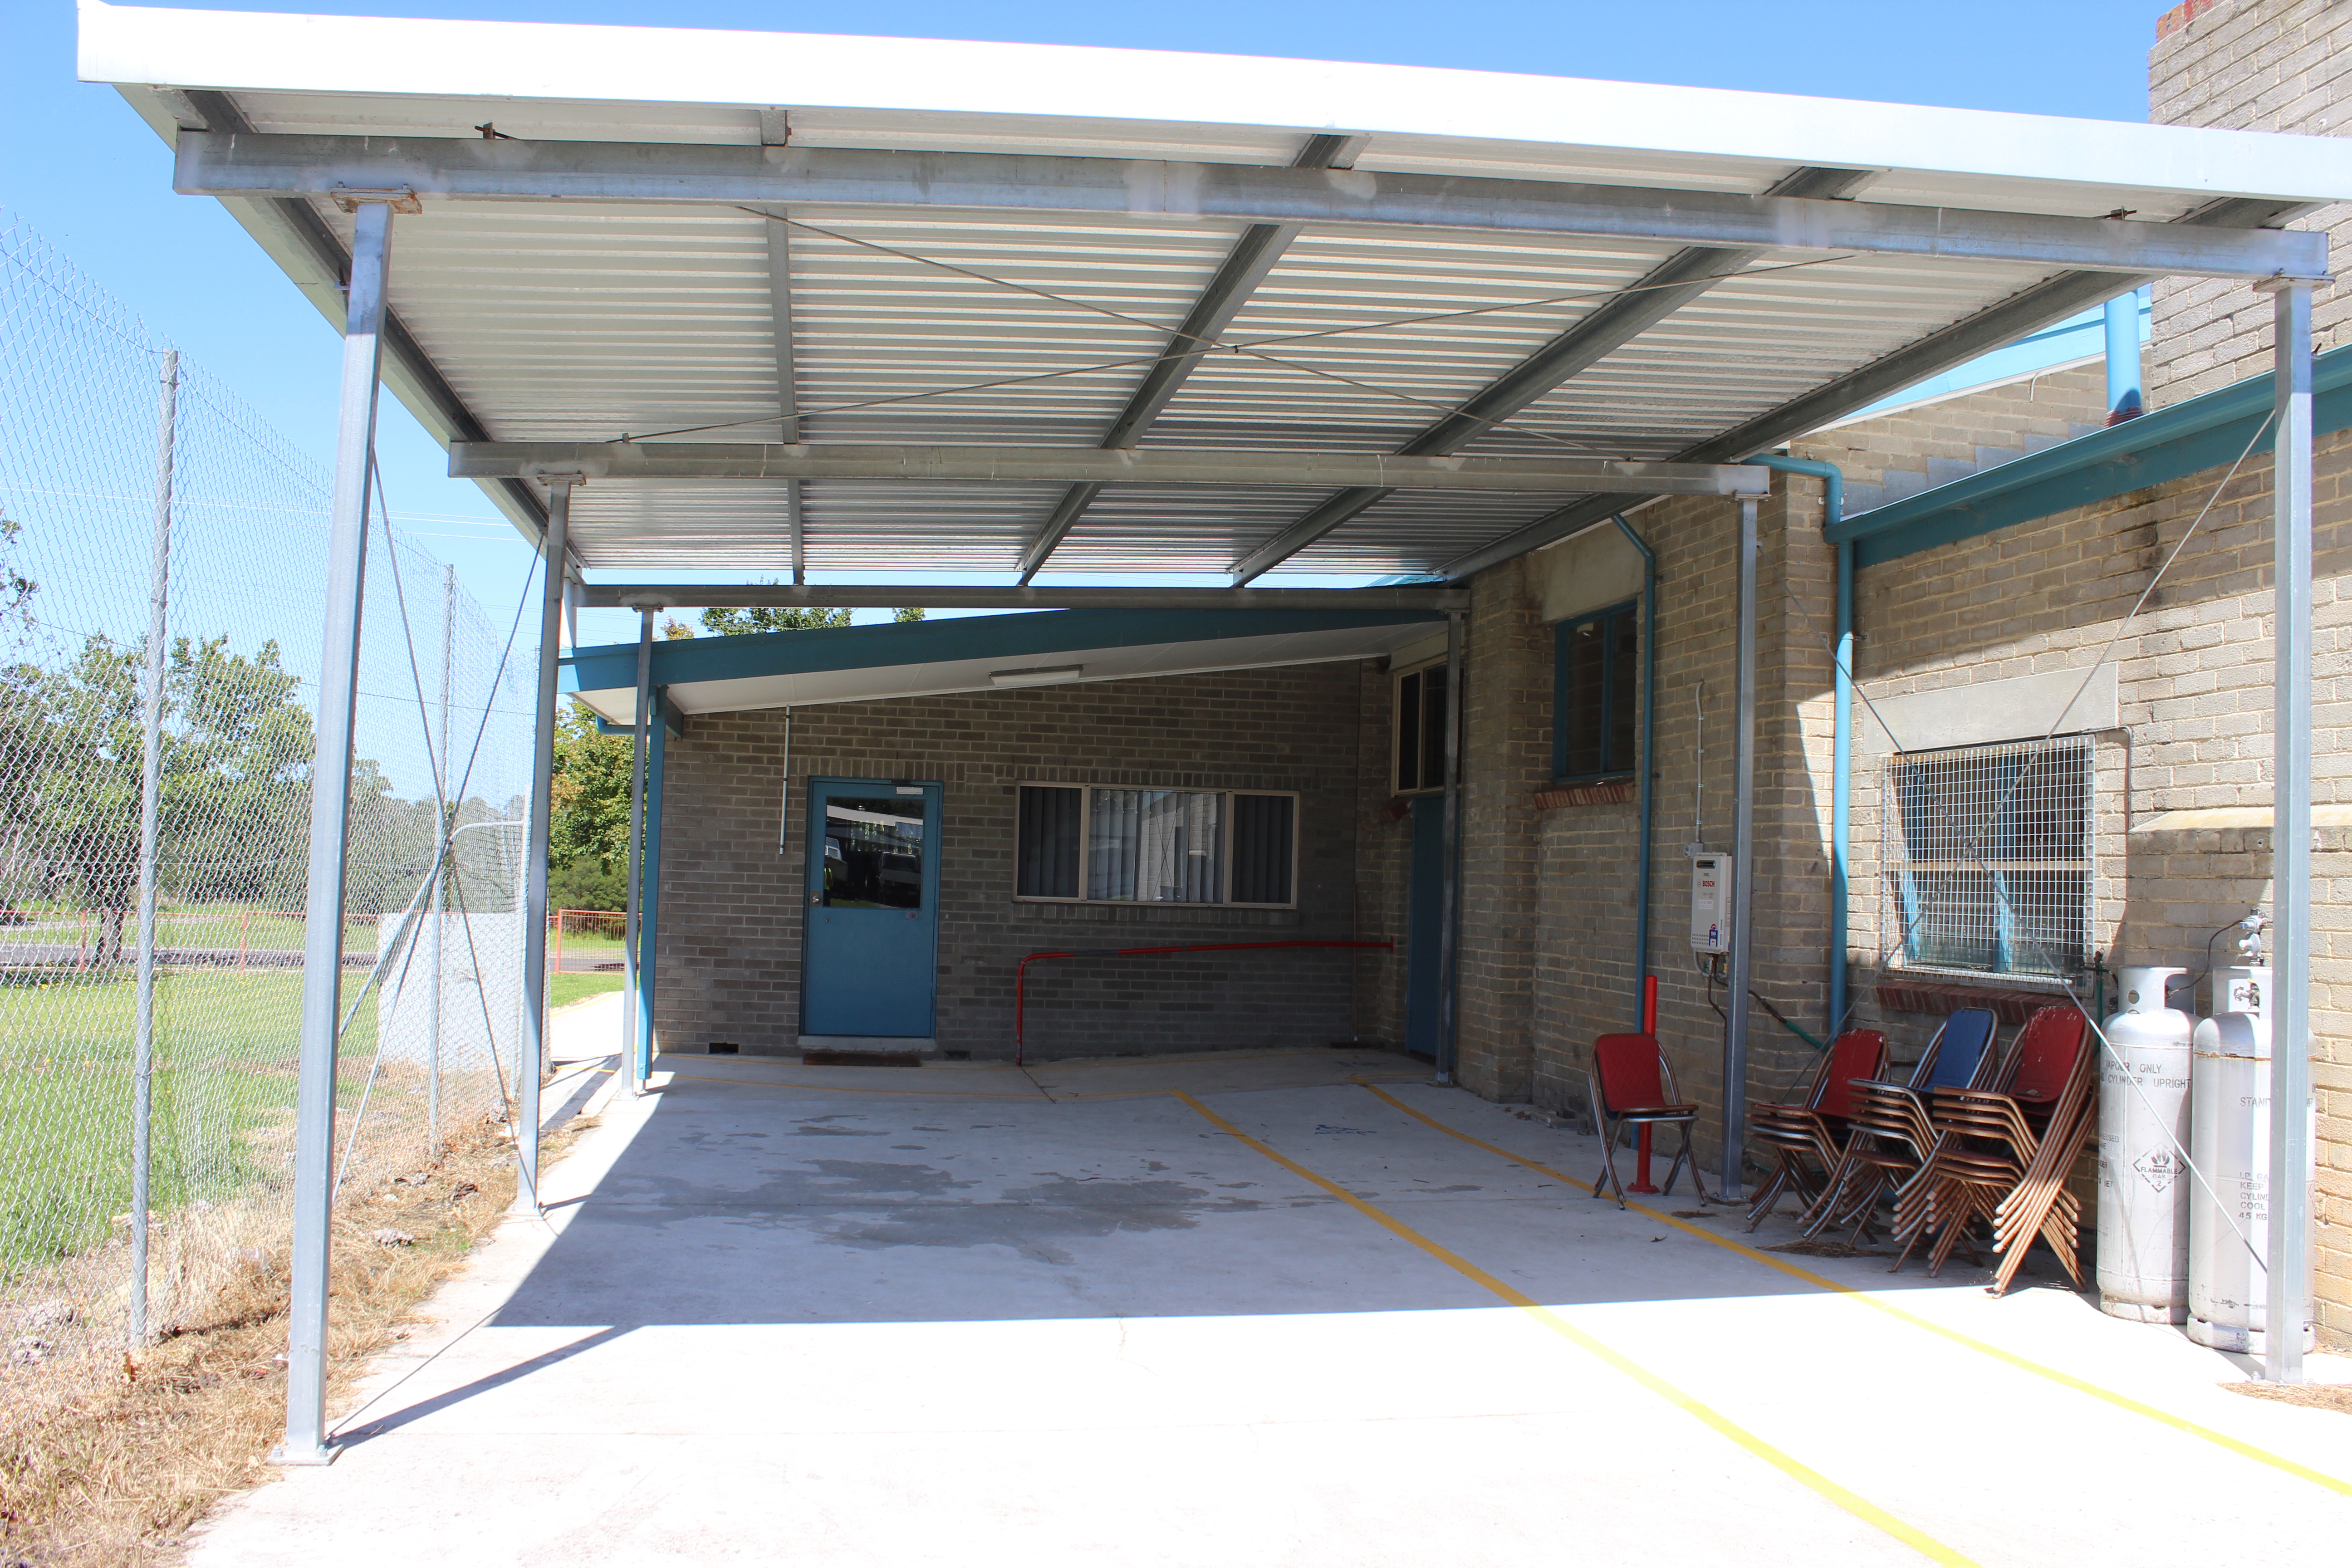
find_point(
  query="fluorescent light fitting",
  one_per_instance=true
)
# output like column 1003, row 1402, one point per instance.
column 1038, row 674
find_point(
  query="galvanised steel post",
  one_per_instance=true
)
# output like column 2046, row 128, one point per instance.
column 531, row 1064
column 630, row 999
column 151, row 790
column 1743, row 865
column 2288, row 1300
column 322, row 935
column 442, row 852
column 649, row 912
column 1449, row 901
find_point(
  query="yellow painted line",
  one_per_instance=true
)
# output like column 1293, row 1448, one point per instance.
column 2023, row 1363
column 1804, row 1474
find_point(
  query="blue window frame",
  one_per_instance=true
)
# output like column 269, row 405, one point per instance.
column 1596, row 707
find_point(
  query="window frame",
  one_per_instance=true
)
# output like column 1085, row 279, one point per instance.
column 1224, row 844
column 1397, row 677
column 1898, row 869
column 1603, row 617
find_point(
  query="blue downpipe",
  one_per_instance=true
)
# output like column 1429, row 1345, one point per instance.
column 2124, row 389
column 1649, row 685
column 1842, row 746
column 649, row 895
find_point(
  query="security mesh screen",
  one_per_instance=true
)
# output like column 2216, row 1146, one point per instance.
column 1988, row 859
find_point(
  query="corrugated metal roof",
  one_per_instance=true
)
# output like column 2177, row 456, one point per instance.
column 579, row 320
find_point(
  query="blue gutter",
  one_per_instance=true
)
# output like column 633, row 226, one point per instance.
column 1842, row 763
column 1649, row 738
column 2207, row 432
column 2124, row 377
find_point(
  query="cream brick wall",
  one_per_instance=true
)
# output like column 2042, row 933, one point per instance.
column 2247, row 65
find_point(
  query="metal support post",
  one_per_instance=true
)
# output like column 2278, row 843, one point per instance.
column 444, row 850
column 531, row 1066
column 1449, row 899
column 649, row 916
column 645, row 721
column 1743, row 866
column 2288, row 1302
column 322, row 934
column 151, row 790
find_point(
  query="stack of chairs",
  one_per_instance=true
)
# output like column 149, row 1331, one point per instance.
column 1891, row 1135
column 1810, row 1137
column 2003, row 1154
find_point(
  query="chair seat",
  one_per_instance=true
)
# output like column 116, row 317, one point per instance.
column 1653, row 1112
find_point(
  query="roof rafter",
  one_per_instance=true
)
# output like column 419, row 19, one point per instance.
column 1245, row 267
column 1609, row 326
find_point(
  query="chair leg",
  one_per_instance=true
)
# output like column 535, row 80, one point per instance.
column 1768, row 1194
column 1683, row 1154
column 1607, row 1178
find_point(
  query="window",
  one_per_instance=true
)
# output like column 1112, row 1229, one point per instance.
column 1088, row 844
column 1420, row 729
column 1989, row 859
column 1596, row 708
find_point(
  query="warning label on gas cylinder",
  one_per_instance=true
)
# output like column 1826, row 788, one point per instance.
column 2160, row 1168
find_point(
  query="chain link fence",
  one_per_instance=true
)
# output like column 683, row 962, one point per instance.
column 98, row 420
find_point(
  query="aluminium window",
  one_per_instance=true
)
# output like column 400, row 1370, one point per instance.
column 1596, row 694
column 1097, row 843
column 1420, row 729
column 1989, row 859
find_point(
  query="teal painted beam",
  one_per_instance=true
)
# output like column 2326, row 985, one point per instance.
column 2207, row 432
column 1027, row 633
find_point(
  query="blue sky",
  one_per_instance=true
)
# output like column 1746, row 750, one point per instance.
column 80, row 167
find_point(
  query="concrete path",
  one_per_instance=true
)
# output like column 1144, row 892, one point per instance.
column 1220, row 1313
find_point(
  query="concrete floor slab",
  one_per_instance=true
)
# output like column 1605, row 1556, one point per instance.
column 1239, row 1309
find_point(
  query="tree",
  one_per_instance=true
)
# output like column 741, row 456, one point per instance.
column 744, row 621
column 236, row 754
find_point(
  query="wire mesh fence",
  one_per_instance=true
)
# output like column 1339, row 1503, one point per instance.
column 107, row 438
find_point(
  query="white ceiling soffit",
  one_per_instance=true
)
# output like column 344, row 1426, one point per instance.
column 618, row 704
column 555, row 81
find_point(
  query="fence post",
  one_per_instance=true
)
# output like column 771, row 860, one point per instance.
column 444, row 850
column 322, row 934
column 151, row 787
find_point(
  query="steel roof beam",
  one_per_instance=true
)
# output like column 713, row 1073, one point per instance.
column 2028, row 311
column 1245, row 267
column 1609, row 326
column 698, row 462
column 262, row 165
column 406, row 365
column 853, row 596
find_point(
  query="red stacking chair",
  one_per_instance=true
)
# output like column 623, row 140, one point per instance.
column 1633, row 1085
column 2005, row 1152
column 1809, row 1136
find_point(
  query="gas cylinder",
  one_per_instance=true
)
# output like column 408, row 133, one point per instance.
column 2229, row 1240
column 2143, row 1131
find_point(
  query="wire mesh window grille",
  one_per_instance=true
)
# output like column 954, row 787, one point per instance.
column 1989, row 859
column 1155, row 846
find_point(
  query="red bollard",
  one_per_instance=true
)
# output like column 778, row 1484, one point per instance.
column 1641, row 1182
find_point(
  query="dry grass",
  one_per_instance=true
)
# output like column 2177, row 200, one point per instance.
column 114, row 1475
column 2336, row 1397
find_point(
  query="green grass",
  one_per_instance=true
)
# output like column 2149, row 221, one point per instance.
column 565, row 989
column 225, row 1046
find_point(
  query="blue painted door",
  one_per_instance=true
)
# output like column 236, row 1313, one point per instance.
column 869, row 964
column 1424, row 909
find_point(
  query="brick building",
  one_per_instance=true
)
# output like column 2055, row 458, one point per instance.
column 1992, row 624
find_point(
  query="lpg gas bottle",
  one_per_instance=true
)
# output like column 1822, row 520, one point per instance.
column 2143, row 1131
column 2229, row 1240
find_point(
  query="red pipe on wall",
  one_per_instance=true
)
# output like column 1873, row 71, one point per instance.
column 1020, row 971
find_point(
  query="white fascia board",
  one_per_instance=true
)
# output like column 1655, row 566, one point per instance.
column 260, row 51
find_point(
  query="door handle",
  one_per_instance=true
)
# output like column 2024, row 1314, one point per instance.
column 815, row 899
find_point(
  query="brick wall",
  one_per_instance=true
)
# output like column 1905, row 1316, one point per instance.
column 2246, row 65
column 730, row 916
